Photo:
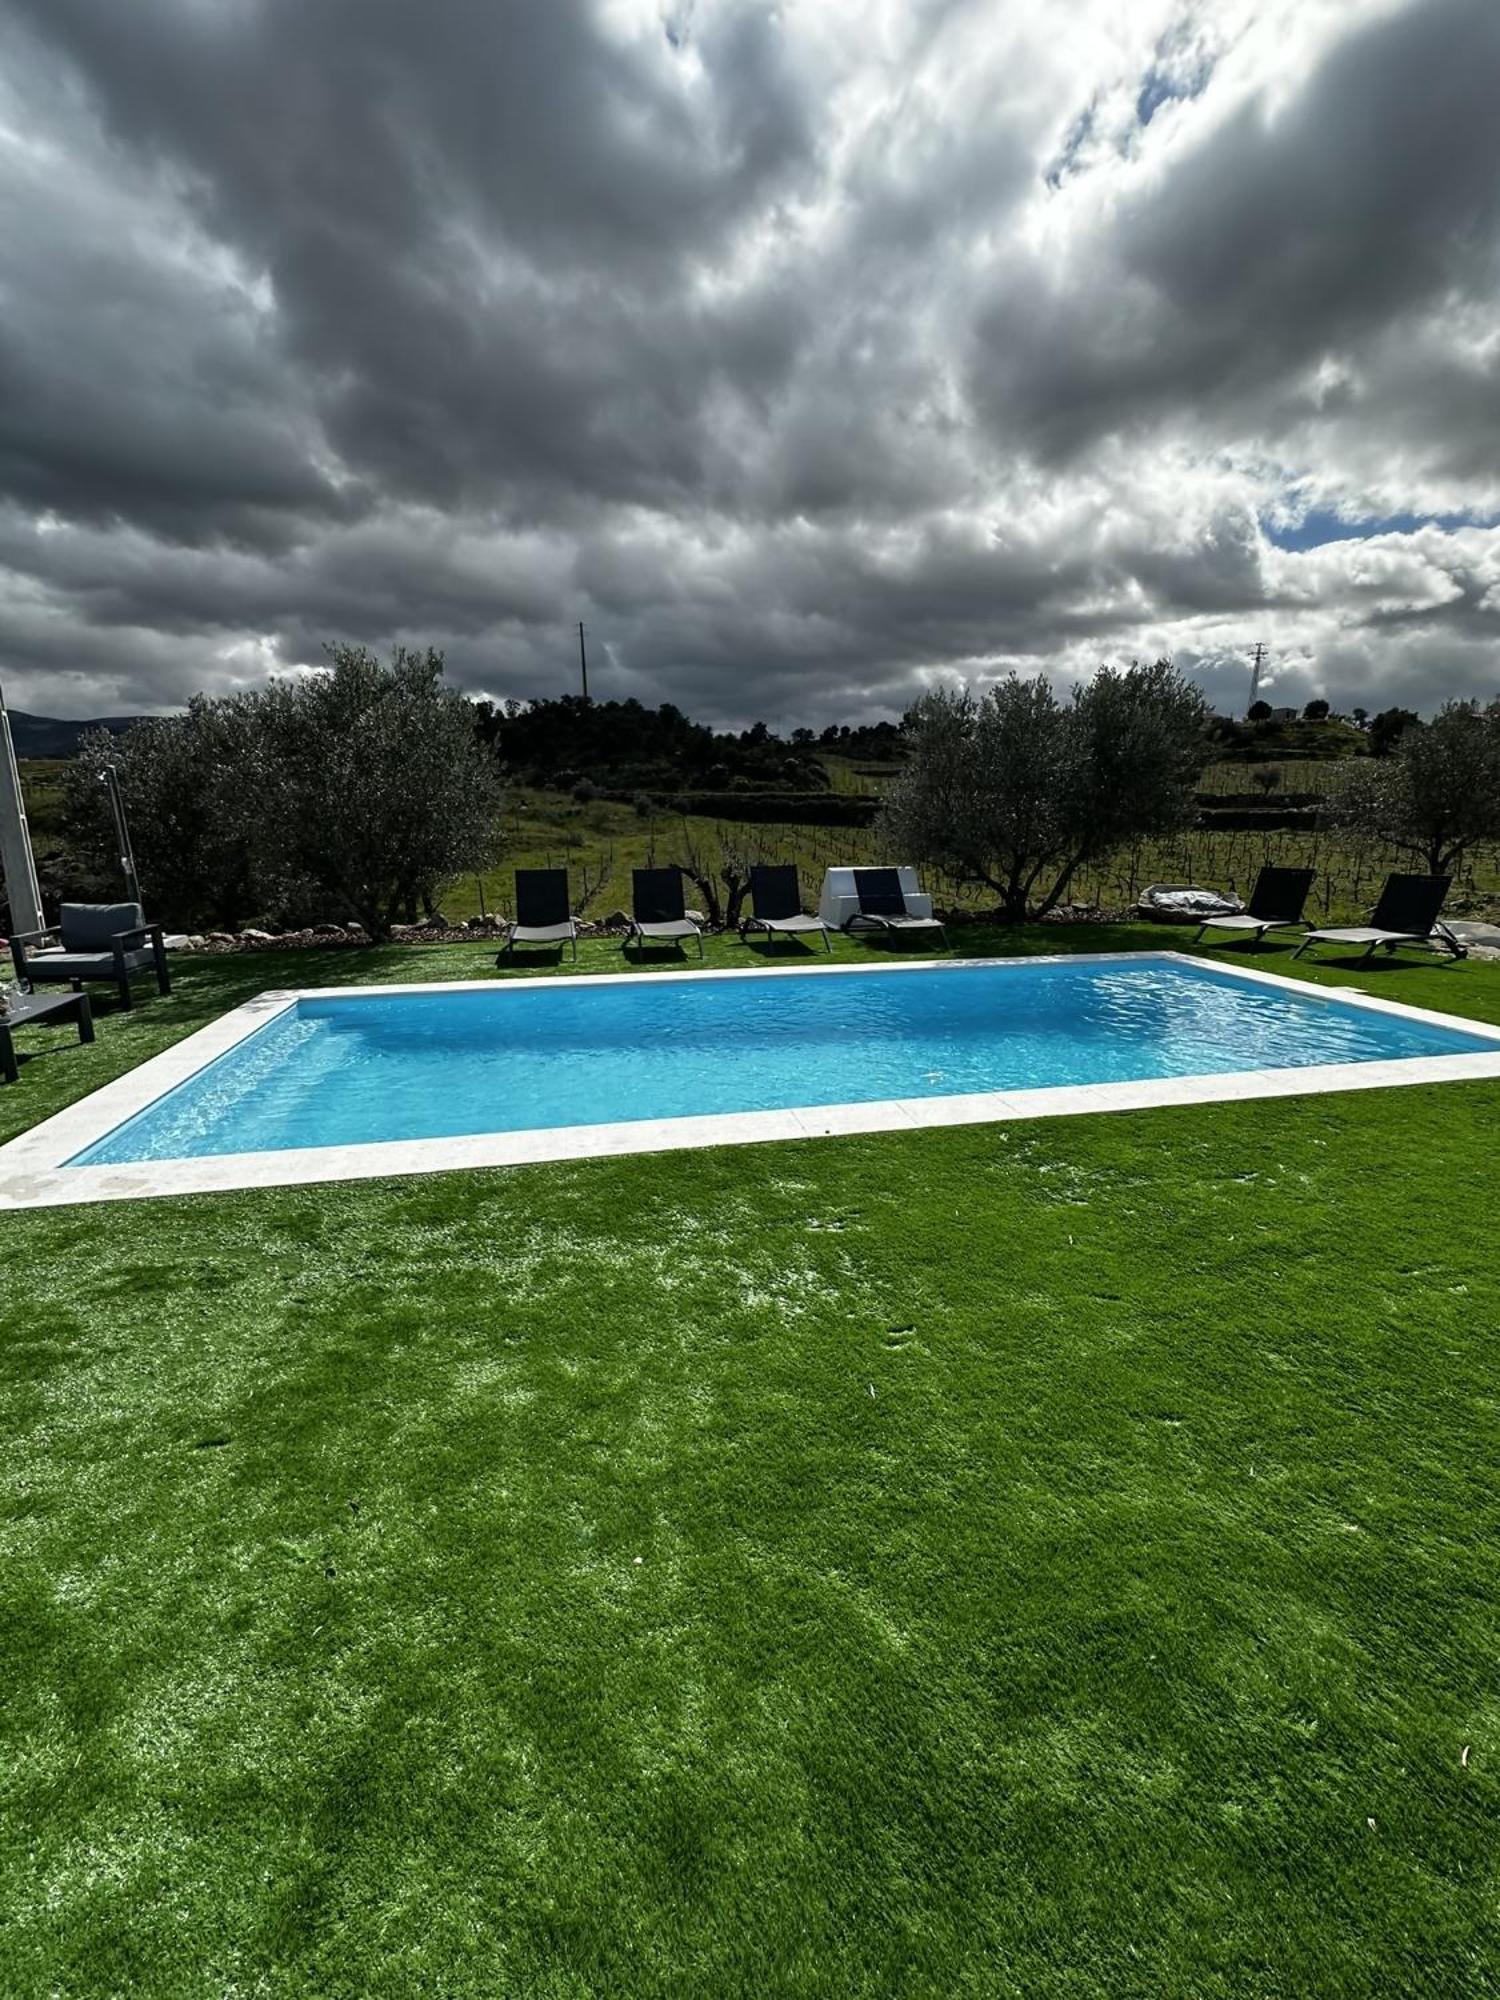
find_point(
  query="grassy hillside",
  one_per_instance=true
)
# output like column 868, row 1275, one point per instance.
column 42, row 787
column 1330, row 741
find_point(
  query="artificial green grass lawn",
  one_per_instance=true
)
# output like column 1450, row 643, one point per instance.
column 1050, row 1558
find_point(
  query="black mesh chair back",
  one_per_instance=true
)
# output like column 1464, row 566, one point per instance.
column 1280, row 894
column 542, row 897
column 1411, row 903
column 775, row 892
column 656, row 896
column 879, row 892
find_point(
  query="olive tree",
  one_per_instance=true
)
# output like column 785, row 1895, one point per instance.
column 1387, row 728
column 1015, row 790
column 1437, row 793
column 191, row 785
column 358, row 789
column 1141, row 740
column 383, row 790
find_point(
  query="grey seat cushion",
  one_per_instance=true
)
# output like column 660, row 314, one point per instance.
column 90, row 927
column 46, row 965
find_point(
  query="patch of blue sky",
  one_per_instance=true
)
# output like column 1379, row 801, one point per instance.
column 1154, row 92
column 1172, row 78
column 1079, row 135
column 1318, row 526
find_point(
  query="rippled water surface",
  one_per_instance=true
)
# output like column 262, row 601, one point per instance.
column 517, row 1057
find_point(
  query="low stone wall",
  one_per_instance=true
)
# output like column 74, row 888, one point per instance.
column 324, row 936
column 477, row 930
column 473, row 930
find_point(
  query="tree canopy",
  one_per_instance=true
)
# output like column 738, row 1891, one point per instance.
column 357, row 790
column 625, row 746
column 1015, row 789
column 192, row 784
column 1388, row 727
column 1436, row 793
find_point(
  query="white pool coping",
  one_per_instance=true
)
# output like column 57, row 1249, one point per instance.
column 33, row 1173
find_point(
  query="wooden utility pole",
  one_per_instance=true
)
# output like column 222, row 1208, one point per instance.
column 583, row 661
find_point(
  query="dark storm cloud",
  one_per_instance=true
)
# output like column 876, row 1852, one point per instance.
column 141, row 387
column 477, row 221
column 1281, row 237
column 806, row 353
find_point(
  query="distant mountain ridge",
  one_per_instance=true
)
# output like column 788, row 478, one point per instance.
column 51, row 736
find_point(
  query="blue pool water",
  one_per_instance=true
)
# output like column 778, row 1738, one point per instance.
column 517, row 1057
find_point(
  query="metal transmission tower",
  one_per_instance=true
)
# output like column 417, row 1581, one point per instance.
column 21, row 889
column 1257, row 661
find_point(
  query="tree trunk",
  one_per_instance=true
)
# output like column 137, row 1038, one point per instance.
column 1059, row 888
column 1443, row 857
column 704, row 883
column 739, row 888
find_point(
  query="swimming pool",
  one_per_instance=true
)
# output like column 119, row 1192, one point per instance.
column 348, row 1081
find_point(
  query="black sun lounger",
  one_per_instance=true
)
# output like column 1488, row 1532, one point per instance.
column 1407, row 913
column 777, row 897
column 543, row 911
column 1276, row 904
column 658, row 914
column 882, row 905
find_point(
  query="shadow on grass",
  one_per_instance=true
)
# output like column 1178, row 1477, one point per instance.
column 782, row 950
column 536, row 958
column 1382, row 968
column 998, row 940
column 668, row 957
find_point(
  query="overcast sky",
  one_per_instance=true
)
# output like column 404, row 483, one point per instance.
column 807, row 352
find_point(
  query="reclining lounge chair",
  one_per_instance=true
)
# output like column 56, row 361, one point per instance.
column 1276, row 904
column 543, row 912
column 658, row 914
column 98, row 941
column 777, row 897
column 1407, row 913
column 882, row 906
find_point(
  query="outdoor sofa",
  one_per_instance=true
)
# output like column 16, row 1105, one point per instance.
column 96, row 941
